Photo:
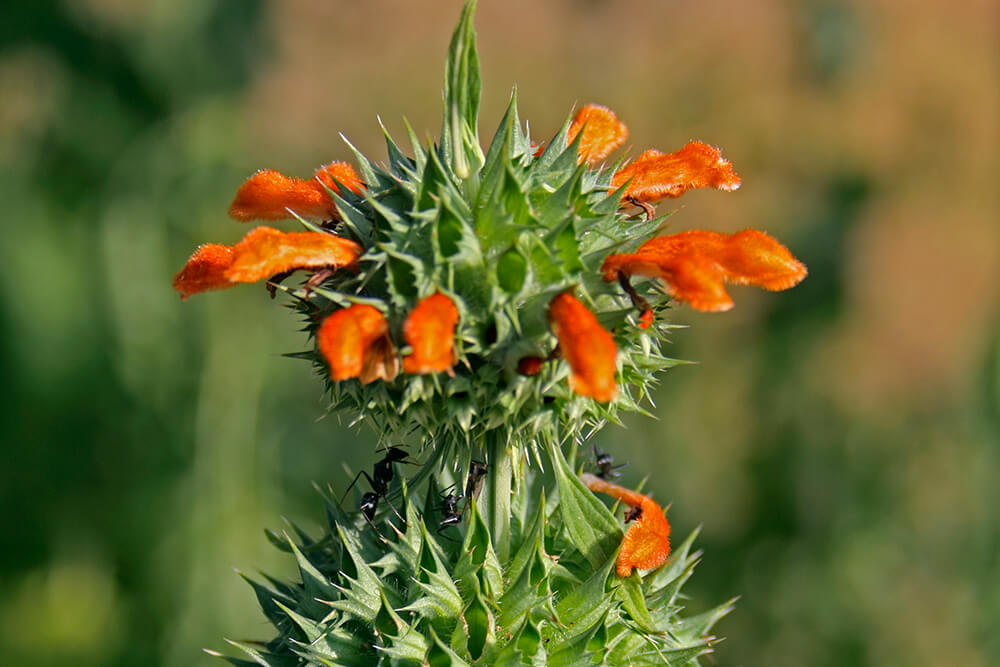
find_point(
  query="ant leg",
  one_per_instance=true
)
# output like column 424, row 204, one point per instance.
column 275, row 280
column 646, row 207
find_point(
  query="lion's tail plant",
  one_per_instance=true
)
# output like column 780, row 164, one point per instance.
column 477, row 308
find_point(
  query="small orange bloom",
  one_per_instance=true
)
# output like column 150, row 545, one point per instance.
column 647, row 541
column 205, row 270
column 655, row 175
column 430, row 331
column 355, row 343
column 602, row 133
column 695, row 265
column 269, row 194
column 587, row 346
column 263, row 253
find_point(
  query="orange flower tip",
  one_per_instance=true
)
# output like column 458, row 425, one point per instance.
column 205, row 270
column 270, row 195
column 587, row 346
column 602, row 133
column 354, row 342
column 646, row 319
column 696, row 264
column 430, row 331
column 655, row 175
column 530, row 366
column 265, row 252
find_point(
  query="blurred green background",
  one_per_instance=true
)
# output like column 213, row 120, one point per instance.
column 838, row 442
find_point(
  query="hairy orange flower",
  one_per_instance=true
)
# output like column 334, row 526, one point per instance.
column 264, row 252
column 695, row 265
column 430, row 331
column 655, row 175
column 647, row 541
column 355, row 343
column 205, row 270
column 587, row 346
column 602, row 132
column 269, row 194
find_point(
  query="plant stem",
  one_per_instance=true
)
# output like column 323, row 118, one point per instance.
column 499, row 477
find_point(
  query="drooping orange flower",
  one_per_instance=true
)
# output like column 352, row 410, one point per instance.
column 695, row 265
column 647, row 541
column 602, row 133
column 269, row 194
column 587, row 346
column 355, row 343
column 655, row 175
column 430, row 331
column 264, row 252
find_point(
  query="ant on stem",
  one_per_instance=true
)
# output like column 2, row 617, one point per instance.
column 449, row 502
column 382, row 475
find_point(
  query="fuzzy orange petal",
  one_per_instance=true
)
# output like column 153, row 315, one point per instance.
column 430, row 331
column 586, row 345
column 602, row 133
column 265, row 252
column 647, row 541
column 655, row 175
column 205, row 270
column 695, row 264
column 346, row 337
column 269, row 194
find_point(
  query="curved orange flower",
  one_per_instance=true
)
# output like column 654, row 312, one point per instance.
column 647, row 541
column 264, row 252
column 355, row 343
column 269, row 194
column 655, row 175
column 602, row 133
column 430, row 331
column 695, row 265
column 587, row 346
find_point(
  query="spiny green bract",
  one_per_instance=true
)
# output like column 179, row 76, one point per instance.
column 501, row 234
column 421, row 597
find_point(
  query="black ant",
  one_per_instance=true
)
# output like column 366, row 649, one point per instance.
column 382, row 475
column 449, row 508
column 474, row 482
column 606, row 469
column 449, row 502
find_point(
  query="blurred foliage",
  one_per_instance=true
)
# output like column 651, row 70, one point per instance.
column 838, row 442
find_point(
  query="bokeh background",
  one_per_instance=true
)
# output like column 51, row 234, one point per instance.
column 838, row 443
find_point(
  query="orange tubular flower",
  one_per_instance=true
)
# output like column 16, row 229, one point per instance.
column 355, row 343
column 263, row 253
column 695, row 265
column 430, row 331
column 602, row 133
column 587, row 346
column 655, row 175
column 647, row 541
column 269, row 194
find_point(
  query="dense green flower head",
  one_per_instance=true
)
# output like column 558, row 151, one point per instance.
column 501, row 234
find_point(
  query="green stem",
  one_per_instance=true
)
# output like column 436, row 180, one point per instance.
column 499, row 478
